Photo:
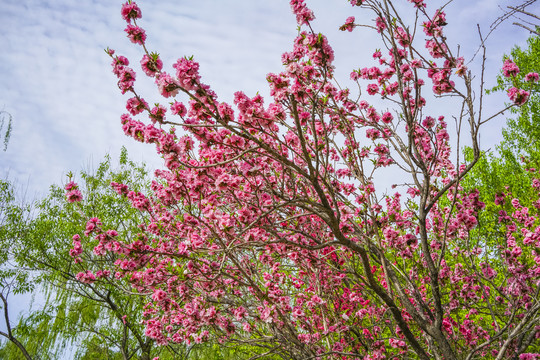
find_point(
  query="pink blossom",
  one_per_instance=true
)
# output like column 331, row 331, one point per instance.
column 157, row 114
column 304, row 338
column 246, row 327
column 178, row 108
column 303, row 14
column 92, row 225
column 418, row 3
column 395, row 343
column 135, row 34
column 151, row 64
column 510, row 69
column 518, row 96
column 440, row 18
column 74, row 196
column 349, row 24
column 387, row 118
column 136, row 105
column 431, row 29
column 71, row 185
column 167, row 85
column 120, row 61
column 337, row 346
column 499, row 199
column 402, row 36
column 130, row 11
column 391, row 89
column 159, row 295
column 529, row 356
column 86, row 277
column 436, row 49
column 372, row 89
column 380, row 24
column 461, row 69
column 531, row 77
column 126, row 79
column 187, row 72
column 121, row 189
column 226, row 112
column 77, row 247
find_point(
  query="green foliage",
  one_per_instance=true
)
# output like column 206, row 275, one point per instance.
column 96, row 349
column 506, row 171
column 522, row 133
column 99, row 318
column 6, row 120
column 12, row 219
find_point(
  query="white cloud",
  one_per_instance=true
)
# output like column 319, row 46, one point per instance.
column 57, row 81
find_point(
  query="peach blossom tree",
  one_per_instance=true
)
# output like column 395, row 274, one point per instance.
column 268, row 229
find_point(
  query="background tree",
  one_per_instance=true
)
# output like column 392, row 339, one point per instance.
column 521, row 17
column 5, row 127
column 12, row 281
column 506, row 172
column 98, row 320
column 521, row 134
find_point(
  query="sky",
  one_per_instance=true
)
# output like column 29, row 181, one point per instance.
column 56, row 80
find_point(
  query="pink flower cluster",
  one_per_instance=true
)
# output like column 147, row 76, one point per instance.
column 152, row 64
column 73, row 193
column 518, row 96
column 532, row 77
column 187, row 72
column 136, row 105
column 418, row 3
column 135, row 34
column 92, row 225
column 510, row 69
column 441, row 80
column 130, row 11
column 167, row 85
column 77, row 247
column 349, row 24
column 266, row 217
column 86, row 277
column 303, row 14
column 125, row 75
